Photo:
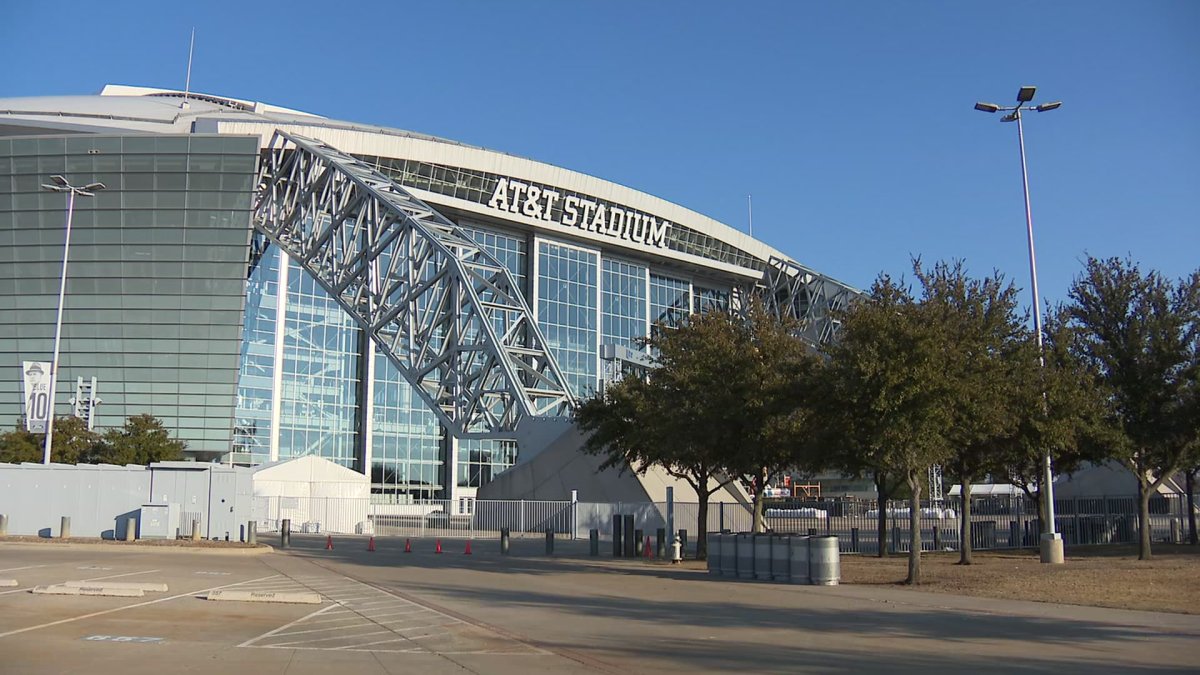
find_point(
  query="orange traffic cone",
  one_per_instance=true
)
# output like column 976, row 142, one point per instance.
column 329, row 543
column 371, row 545
column 649, row 552
column 408, row 545
column 439, row 547
column 468, row 550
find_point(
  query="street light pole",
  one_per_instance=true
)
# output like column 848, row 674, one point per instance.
column 1051, row 544
column 60, row 184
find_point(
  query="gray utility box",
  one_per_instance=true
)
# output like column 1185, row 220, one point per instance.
column 158, row 521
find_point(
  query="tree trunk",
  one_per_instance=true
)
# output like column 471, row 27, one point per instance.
column 964, row 548
column 701, row 525
column 1143, row 517
column 1189, row 481
column 914, row 529
column 882, row 495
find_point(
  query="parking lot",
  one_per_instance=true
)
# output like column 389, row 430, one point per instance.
column 388, row 611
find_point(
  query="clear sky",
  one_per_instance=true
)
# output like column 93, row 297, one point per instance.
column 850, row 123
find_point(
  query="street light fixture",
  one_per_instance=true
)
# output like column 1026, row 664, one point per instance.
column 60, row 184
column 1051, row 542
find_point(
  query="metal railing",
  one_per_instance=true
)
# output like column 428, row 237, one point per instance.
column 996, row 522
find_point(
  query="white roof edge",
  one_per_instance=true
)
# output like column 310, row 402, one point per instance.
column 256, row 106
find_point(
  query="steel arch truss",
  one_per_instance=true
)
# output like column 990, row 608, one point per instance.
column 445, row 311
column 791, row 290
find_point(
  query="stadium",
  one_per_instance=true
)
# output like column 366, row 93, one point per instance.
column 275, row 284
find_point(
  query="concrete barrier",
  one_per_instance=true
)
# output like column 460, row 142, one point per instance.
column 762, row 556
column 89, row 590
column 728, row 555
column 297, row 598
column 798, row 559
column 137, row 585
column 714, row 553
column 781, row 555
column 745, row 555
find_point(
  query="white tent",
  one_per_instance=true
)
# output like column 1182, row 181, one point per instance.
column 317, row 495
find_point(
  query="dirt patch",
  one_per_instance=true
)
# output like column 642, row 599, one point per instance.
column 1101, row 576
column 161, row 543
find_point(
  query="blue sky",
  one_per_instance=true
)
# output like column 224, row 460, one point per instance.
column 850, row 123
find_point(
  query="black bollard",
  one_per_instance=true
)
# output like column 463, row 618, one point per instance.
column 660, row 540
column 504, row 535
column 285, row 533
column 630, row 539
column 854, row 539
column 594, row 542
column 937, row 538
column 549, row 541
column 639, row 545
column 683, row 543
column 618, row 548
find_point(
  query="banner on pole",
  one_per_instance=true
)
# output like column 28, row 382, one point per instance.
column 37, row 395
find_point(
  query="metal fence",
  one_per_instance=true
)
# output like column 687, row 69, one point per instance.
column 465, row 518
column 996, row 522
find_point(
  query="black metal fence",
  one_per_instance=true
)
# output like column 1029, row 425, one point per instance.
column 1007, row 521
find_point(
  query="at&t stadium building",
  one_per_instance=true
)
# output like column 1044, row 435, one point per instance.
column 272, row 284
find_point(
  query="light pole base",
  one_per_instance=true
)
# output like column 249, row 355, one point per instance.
column 1052, row 548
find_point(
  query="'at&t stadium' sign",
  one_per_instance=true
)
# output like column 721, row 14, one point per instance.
column 591, row 215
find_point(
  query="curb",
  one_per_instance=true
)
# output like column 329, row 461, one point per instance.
column 262, row 596
column 105, row 591
column 126, row 547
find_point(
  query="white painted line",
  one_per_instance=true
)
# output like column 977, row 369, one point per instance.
column 321, row 630
column 97, row 590
column 284, row 627
column 133, row 606
column 27, row 567
column 123, row 638
column 118, row 576
column 92, row 567
column 336, row 637
column 266, row 596
column 8, row 583
column 380, row 616
column 134, row 585
column 344, row 618
column 215, row 574
column 368, row 644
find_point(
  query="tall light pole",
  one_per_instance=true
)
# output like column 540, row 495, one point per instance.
column 1051, row 544
column 60, row 184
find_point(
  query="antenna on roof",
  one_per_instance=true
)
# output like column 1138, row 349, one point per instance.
column 187, row 85
column 750, row 211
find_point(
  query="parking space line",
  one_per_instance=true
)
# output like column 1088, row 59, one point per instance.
column 27, row 567
column 284, row 627
column 127, row 574
column 335, row 637
column 133, row 606
column 315, row 630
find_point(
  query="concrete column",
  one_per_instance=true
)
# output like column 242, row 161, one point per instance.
column 195, row 530
column 3, row 525
column 130, row 529
column 64, row 529
column 252, row 533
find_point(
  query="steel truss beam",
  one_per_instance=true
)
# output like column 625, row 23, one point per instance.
column 791, row 290
column 444, row 310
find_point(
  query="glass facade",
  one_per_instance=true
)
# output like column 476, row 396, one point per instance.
column 319, row 399
column 566, row 311
column 252, row 423
column 670, row 300
column 623, row 304
column 705, row 300
column 406, row 440
column 156, row 279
